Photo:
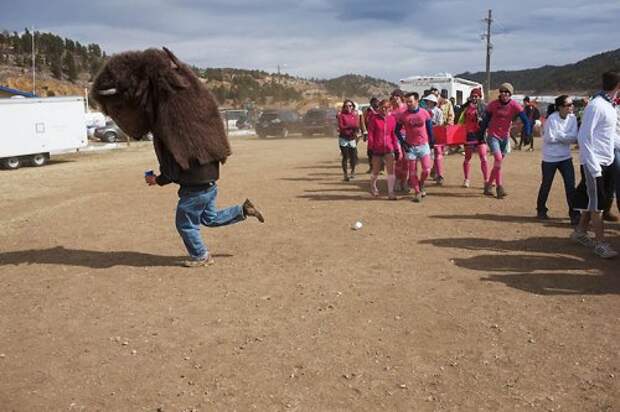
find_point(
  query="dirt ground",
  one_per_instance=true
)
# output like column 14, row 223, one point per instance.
column 459, row 303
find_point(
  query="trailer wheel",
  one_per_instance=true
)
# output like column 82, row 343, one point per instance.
column 39, row 159
column 11, row 163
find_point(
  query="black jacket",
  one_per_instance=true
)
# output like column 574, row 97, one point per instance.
column 196, row 176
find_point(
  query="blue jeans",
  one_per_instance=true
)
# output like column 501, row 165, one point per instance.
column 498, row 145
column 568, row 175
column 196, row 208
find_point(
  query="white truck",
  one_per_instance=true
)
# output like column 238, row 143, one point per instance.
column 33, row 128
column 456, row 87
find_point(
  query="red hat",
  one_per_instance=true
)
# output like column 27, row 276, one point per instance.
column 477, row 91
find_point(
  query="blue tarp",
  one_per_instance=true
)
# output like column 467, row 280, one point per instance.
column 16, row 92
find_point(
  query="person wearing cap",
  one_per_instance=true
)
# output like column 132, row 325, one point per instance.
column 596, row 139
column 497, row 122
column 435, row 112
column 401, row 168
column 471, row 116
column 533, row 114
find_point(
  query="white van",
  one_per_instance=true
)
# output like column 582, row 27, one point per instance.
column 456, row 87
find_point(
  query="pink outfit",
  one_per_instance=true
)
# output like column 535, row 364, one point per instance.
column 401, row 168
column 415, row 182
column 484, row 165
column 381, row 137
column 472, row 126
column 501, row 117
column 496, row 172
column 348, row 125
column 415, row 126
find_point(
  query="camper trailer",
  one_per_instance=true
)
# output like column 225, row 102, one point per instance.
column 457, row 87
column 33, row 128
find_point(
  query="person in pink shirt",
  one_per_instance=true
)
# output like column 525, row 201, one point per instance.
column 497, row 122
column 383, row 145
column 348, row 127
column 401, row 168
column 416, row 143
column 470, row 118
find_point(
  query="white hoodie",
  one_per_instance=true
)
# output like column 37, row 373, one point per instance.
column 558, row 135
column 597, row 135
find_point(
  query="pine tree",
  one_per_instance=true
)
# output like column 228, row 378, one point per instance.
column 69, row 67
column 56, row 66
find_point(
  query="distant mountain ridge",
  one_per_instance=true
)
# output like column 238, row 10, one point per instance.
column 582, row 77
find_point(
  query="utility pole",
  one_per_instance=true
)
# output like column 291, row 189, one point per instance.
column 34, row 78
column 488, row 20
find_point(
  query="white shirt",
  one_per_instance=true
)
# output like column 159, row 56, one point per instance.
column 597, row 135
column 558, row 135
column 618, row 127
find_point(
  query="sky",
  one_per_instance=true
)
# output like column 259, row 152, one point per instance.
column 389, row 39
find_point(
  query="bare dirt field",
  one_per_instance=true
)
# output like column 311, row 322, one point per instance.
column 459, row 303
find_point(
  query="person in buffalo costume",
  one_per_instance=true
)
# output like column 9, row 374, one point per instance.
column 152, row 91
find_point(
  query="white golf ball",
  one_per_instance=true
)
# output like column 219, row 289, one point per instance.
column 357, row 225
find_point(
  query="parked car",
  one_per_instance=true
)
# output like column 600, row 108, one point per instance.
column 278, row 123
column 321, row 121
column 110, row 133
column 232, row 116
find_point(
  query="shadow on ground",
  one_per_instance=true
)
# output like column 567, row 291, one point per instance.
column 90, row 258
column 541, row 265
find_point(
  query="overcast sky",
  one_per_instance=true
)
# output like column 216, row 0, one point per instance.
column 327, row 38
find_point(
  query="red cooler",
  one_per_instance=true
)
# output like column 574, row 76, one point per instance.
column 450, row 135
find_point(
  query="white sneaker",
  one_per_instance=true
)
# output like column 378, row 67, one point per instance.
column 582, row 238
column 604, row 250
column 466, row 183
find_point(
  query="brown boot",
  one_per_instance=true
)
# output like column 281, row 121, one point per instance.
column 488, row 189
column 609, row 217
column 501, row 193
column 250, row 210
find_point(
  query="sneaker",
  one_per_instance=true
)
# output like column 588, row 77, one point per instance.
column 198, row 263
column 466, row 183
column 531, row 149
column 422, row 191
column 346, row 178
column 501, row 193
column 439, row 180
column 582, row 238
column 352, row 175
column 250, row 210
column 417, row 198
column 488, row 189
column 604, row 250
column 542, row 216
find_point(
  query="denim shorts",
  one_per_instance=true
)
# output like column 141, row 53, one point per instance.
column 347, row 143
column 417, row 152
column 498, row 145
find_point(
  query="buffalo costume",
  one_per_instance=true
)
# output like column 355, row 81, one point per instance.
column 152, row 91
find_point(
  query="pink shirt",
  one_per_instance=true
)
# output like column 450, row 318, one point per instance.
column 471, row 119
column 415, row 126
column 348, row 125
column 501, row 117
column 381, row 137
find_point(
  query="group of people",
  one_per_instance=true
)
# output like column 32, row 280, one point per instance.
column 399, row 135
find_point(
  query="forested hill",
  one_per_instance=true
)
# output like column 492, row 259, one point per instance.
column 582, row 77
column 65, row 66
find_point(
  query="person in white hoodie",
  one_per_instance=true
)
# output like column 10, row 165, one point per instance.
column 559, row 133
column 596, row 140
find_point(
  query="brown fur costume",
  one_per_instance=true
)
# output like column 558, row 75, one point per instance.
column 152, row 90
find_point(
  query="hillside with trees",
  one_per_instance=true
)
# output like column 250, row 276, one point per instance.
column 583, row 77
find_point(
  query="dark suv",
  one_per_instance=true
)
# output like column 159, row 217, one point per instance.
column 321, row 121
column 278, row 123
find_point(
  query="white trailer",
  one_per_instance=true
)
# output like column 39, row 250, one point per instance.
column 456, row 87
column 31, row 129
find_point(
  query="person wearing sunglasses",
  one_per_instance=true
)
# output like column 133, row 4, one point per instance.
column 471, row 116
column 559, row 133
column 383, row 145
column 348, row 127
column 497, row 122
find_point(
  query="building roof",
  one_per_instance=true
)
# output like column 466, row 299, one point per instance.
column 15, row 92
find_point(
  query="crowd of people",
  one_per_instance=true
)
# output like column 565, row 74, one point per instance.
column 400, row 140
